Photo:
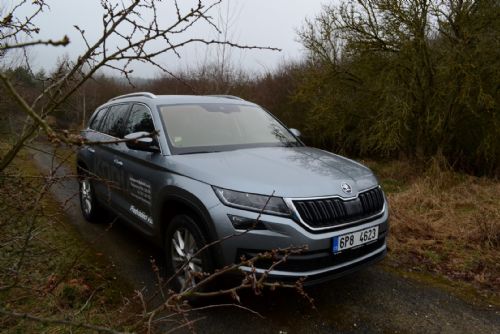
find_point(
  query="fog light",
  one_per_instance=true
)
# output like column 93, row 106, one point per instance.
column 242, row 223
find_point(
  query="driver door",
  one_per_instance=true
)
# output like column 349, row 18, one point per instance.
column 140, row 168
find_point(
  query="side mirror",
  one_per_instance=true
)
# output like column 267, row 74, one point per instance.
column 295, row 132
column 141, row 141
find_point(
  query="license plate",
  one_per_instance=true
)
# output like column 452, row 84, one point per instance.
column 353, row 239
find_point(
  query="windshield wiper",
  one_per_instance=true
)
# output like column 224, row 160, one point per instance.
column 198, row 152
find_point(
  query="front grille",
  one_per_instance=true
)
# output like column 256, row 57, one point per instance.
column 372, row 201
column 329, row 212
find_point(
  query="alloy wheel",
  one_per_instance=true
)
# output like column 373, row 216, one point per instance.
column 183, row 250
column 86, row 196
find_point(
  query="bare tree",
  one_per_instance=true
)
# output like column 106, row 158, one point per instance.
column 140, row 33
column 137, row 40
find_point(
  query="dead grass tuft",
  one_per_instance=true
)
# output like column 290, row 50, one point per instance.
column 45, row 269
column 447, row 223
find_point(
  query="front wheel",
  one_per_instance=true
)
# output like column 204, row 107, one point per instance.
column 183, row 242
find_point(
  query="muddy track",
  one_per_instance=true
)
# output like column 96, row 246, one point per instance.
column 370, row 301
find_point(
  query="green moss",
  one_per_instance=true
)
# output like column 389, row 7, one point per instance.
column 434, row 256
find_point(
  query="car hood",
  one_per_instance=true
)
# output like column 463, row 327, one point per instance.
column 286, row 171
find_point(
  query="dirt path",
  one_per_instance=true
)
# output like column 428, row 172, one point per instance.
column 371, row 301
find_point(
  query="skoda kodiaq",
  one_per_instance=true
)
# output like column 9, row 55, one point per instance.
column 189, row 170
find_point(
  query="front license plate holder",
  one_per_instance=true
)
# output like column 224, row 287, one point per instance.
column 354, row 239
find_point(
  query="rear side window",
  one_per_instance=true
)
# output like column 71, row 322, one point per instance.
column 139, row 120
column 115, row 119
column 96, row 120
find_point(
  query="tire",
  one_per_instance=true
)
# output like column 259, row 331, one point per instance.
column 183, row 239
column 91, row 209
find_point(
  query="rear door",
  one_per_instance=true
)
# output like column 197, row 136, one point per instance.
column 92, row 134
column 108, row 166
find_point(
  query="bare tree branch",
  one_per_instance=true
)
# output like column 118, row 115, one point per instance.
column 123, row 22
column 62, row 42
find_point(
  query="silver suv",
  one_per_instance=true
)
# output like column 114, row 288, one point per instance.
column 189, row 170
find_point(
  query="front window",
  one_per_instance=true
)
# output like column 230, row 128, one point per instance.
column 139, row 120
column 195, row 128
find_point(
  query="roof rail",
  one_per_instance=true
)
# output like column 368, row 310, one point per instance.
column 138, row 94
column 228, row 97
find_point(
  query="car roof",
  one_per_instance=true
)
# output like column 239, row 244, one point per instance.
column 177, row 99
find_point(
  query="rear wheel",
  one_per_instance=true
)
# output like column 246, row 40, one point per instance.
column 91, row 210
column 183, row 242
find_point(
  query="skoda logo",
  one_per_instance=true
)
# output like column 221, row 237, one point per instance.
column 346, row 188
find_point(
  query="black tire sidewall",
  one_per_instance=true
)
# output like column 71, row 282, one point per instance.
column 186, row 222
column 95, row 211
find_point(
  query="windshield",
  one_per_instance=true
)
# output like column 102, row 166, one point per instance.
column 210, row 127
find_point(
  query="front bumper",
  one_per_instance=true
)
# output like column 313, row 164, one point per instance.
column 320, row 274
column 317, row 263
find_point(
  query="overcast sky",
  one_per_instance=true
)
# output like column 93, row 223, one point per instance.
column 253, row 22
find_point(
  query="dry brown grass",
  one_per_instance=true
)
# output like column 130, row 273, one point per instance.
column 444, row 222
column 60, row 276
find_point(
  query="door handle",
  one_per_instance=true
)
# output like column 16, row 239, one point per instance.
column 118, row 162
column 90, row 149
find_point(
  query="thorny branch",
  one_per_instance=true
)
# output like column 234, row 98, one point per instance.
column 142, row 34
column 174, row 305
column 137, row 28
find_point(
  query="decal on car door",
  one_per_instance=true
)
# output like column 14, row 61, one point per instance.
column 140, row 189
column 141, row 215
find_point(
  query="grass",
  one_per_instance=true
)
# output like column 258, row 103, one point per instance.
column 61, row 277
column 443, row 222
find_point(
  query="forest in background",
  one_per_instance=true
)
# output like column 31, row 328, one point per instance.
column 416, row 80
column 409, row 87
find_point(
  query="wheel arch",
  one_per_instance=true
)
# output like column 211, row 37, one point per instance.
column 81, row 167
column 174, row 201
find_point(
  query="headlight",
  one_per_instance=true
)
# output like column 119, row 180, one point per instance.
column 253, row 202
